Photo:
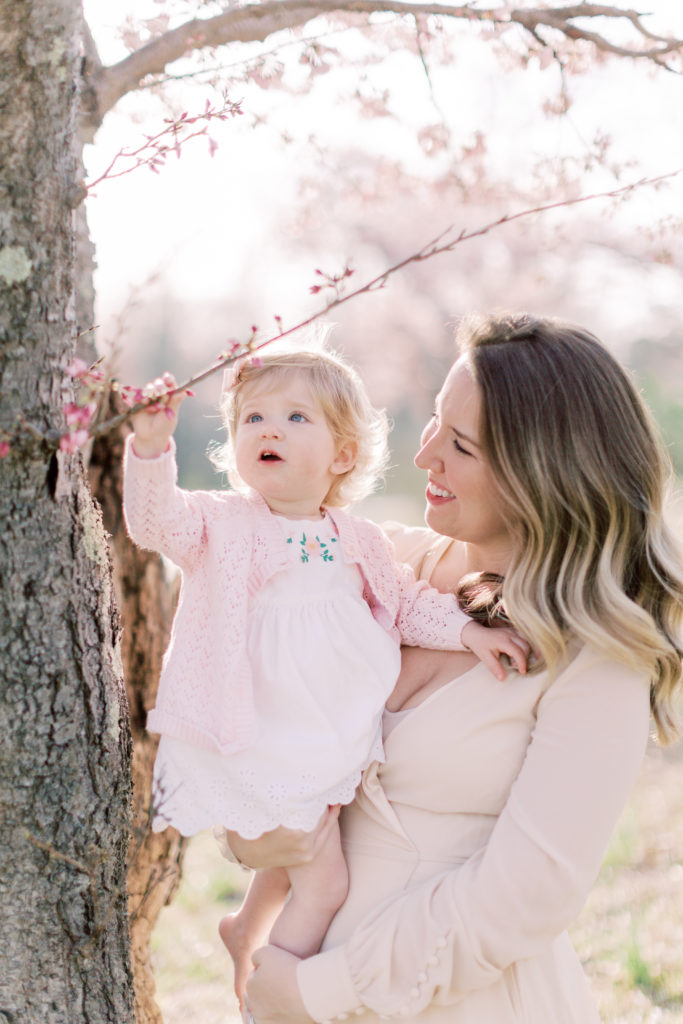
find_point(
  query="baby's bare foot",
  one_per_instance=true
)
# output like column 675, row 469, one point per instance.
column 238, row 944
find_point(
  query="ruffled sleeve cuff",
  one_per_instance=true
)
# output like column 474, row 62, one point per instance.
column 326, row 987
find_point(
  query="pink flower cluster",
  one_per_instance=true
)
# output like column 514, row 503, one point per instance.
column 156, row 394
column 79, row 414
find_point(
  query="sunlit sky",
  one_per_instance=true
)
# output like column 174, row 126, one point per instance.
column 202, row 221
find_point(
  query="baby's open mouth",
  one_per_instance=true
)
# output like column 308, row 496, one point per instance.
column 270, row 457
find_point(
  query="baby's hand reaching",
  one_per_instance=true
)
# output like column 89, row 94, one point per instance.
column 490, row 642
column 154, row 425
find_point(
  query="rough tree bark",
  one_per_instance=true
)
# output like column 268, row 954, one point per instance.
column 64, row 757
column 147, row 600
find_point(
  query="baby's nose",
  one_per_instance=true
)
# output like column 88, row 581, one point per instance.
column 270, row 429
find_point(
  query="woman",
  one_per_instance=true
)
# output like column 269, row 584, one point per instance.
column 473, row 847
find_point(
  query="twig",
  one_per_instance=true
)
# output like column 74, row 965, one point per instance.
column 436, row 247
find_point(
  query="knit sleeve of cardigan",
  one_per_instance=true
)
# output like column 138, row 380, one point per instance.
column 159, row 515
column 425, row 617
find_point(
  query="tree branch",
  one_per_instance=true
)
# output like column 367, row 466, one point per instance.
column 447, row 241
column 254, row 22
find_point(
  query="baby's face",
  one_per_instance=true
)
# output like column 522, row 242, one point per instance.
column 284, row 448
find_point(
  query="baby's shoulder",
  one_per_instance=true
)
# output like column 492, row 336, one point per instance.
column 224, row 505
column 369, row 540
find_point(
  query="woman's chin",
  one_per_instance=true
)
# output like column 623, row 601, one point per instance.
column 441, row 517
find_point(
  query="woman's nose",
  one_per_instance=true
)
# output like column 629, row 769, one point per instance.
column 428, row 454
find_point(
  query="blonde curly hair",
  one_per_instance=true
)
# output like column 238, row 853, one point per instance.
column 348, row 411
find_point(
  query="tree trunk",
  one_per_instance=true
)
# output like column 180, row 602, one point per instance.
column 65, row 753
column 147, row 600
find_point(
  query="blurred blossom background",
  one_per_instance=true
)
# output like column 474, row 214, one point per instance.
column 358, row 148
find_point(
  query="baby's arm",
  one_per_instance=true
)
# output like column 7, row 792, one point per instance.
column 154, row 426
column 490, row 642
column 428, row 618
column 159, row 515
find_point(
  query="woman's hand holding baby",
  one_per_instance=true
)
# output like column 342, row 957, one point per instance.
column 272, row 991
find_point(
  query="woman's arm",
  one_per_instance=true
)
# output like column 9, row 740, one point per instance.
column 458, row 931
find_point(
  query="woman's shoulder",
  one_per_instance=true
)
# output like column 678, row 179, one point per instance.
column 417, row 546
column 593, row 673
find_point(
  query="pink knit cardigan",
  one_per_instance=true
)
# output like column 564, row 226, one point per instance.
column 227, row 545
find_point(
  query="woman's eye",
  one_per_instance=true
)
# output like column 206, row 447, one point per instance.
column 298, row 417
column 459, row 448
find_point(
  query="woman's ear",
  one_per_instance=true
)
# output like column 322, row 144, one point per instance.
column 345, row 459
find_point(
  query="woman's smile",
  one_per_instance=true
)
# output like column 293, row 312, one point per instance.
column 437, row 495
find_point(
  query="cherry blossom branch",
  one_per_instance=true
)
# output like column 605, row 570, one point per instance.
column 244, row 63
column 81, row 415
column 335, row 283
column 254, row 22
column 154, row 151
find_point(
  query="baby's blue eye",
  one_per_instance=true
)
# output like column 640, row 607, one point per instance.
column 298, row 417
column 254, row 417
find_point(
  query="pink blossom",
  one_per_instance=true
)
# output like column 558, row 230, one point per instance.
column 213, row 145
column 79, row 415
column 4, row 449
column 72, row 442
column 131, row 395
column 256, row 361
column 77, row 368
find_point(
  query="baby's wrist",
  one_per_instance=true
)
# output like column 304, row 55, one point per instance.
column 149, row 449
column 472, row 632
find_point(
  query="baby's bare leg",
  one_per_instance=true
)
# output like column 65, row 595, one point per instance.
column 248, row 929
column 317, row 891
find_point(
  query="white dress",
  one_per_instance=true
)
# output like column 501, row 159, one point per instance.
column 322, row 670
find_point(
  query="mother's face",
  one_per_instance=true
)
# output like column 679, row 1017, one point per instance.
column 462, row 498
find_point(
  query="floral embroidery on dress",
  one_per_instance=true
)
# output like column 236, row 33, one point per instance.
column 312, row 546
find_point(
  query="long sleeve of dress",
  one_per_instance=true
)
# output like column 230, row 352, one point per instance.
column 159, row 515
column 441, row 939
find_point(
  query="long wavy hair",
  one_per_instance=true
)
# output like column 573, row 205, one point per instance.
column 583, row 475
